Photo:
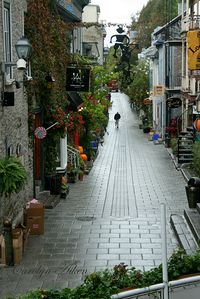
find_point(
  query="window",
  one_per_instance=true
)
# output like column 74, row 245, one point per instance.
column 7, row 35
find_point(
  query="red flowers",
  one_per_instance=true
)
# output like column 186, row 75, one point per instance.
column 73, row 121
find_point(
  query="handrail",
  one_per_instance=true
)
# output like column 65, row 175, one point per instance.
column 145, row 290
column 157, row 287
column 75, row 154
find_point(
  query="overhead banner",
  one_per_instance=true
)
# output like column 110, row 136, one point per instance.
column 78, row 79
column 193, row 38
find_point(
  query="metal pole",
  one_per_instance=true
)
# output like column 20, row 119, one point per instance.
column 164, row 250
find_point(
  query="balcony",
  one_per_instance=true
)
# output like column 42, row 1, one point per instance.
column 173, row 82
column 194, row 22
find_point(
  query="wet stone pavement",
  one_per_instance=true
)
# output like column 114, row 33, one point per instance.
column 110, row 217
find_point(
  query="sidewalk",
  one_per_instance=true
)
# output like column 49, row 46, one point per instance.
column 113, row 216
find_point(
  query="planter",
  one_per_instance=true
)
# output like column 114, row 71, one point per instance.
column 80, row 177
column 193, row 195
column 72, row 177
column 146, row 130
column 64, row 194
column 53, row 184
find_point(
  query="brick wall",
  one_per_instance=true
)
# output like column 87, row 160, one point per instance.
column 14, row 120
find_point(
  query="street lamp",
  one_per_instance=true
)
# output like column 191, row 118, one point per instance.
column 23, row 48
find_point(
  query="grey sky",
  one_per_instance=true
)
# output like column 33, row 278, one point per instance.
column 117, row 12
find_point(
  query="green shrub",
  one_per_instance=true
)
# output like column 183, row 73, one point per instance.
column 174, row 145
column 101, row 285
column 195, row 165
column 12, row 176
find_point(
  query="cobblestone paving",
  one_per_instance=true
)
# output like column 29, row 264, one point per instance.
column 113, row 216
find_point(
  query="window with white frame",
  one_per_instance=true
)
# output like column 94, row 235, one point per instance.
column 7, row 35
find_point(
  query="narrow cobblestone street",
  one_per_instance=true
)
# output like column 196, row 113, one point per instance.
column 112, row 216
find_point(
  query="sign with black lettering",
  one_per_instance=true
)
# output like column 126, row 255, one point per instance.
column 193, row 50
column 78, row 79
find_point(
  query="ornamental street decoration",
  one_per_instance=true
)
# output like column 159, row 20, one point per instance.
column 78, row 79
column 40, row 132
column 122, row 40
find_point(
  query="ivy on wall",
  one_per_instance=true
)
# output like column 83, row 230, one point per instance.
column 50, row 40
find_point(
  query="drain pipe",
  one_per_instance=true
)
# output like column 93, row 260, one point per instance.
column 164, row 251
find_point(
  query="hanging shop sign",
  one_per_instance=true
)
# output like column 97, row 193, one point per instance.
column 78, row 79
column 147, row 101
column 193, row 38
column 174, row 102
column 158, row 90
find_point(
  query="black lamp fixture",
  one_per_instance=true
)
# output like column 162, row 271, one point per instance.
column 23, row 48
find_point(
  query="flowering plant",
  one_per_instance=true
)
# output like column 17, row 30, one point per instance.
column 172, row 128
column 72, row 121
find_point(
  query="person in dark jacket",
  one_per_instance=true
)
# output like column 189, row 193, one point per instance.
column 117, row 117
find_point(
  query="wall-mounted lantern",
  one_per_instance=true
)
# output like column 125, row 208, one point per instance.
column 23, row 49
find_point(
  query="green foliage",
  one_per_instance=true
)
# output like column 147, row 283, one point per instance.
column 195, row 165
column 12, row 176
column 101, row 285
column 137, row 90
column 155, row 13
column 174, row 145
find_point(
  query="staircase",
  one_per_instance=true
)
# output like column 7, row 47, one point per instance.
column 73, row 156
column 185, row 142
column 187, row 229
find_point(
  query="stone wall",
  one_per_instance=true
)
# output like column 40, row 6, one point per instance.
column 14, row 119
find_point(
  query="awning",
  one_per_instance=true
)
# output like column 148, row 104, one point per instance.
column 75, row 99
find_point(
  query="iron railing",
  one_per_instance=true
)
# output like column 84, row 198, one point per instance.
column 182, row 288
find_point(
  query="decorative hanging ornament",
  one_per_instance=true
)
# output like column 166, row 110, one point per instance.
column 197, row 124
column 40, row 132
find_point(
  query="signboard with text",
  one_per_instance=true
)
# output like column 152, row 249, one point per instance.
column 193, row 38
column 78, row 79
column 158, row 90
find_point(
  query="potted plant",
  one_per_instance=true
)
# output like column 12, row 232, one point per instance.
column 12, row 178
column 80, row 175
column 64, row 188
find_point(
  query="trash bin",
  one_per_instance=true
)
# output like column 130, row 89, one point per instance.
column 193, row 192
column 194, row 182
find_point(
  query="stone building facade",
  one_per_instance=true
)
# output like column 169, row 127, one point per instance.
column 14, row 137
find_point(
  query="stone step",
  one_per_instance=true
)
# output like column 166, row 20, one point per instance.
column 192, row 217
column 183, row 233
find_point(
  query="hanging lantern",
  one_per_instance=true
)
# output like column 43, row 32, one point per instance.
column 197, row 124
column 84, row 157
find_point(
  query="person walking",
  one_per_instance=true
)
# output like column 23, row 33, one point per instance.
column 117, row 117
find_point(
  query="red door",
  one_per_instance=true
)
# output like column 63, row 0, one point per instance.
column 37, row 149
